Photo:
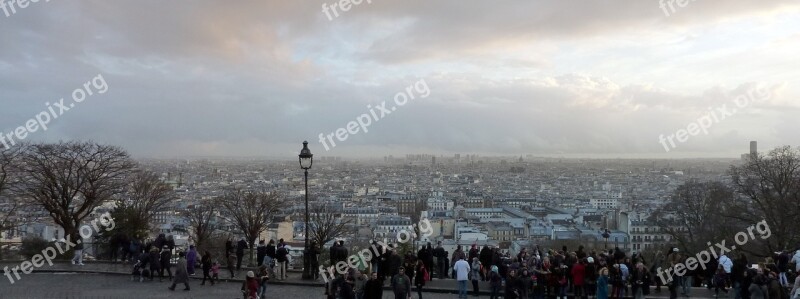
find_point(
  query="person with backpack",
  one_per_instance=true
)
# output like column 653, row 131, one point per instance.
column 420, row 276
column 495, row 282
column 280, row 262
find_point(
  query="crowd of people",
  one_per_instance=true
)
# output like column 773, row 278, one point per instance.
column 552, row 273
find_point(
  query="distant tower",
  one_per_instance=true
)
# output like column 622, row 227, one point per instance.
column 433, row 160
column 753, row 148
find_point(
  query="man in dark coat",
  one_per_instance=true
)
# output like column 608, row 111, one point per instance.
column 240, row 247
column 166, row 256
column 425, row 254
column 373, row 288
column 261, row 252
column 441, row 263
column 181, row 274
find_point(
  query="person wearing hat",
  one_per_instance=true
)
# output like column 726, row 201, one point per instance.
column 250, row 286
column 166, row 256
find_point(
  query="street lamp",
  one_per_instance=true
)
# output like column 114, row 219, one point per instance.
column 606, row 234
column 306, row 159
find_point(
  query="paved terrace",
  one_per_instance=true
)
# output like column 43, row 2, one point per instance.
column 113, row 280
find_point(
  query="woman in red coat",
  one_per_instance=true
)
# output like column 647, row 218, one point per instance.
column 578, row 272
column 250, row 286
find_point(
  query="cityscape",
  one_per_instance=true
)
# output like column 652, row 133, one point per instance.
column 365, row 149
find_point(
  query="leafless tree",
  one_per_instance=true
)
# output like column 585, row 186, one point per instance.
column 202, row 224
column 70, row 179
column 770, row 186
column 695, row 214
column 9, row 175
column 251, row 212
column 145, row 196
column 325, row 224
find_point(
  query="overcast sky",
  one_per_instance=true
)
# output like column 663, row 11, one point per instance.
column 239, row 78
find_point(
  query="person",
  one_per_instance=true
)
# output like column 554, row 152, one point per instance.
column 795, row 292
column 440, row 255
column 214, row 272
column 485, row 256
column 250, row 286
column 720, row 279
column 346, row 289
column 191, row 259
column 457, row 255
column 263, row 276
column 640, row 281
column 231, row 264
column 166, row 256
column 461, row 267
column 373, row 289
column 77, row 259
column 313, row 254
column 332, row 286
column 590, row 278
column 756, row 288
column 602, row 284
column 578, row 272
column 359, row 283
column 228, row 247
column 240, row 247
column 420, row 275
column 495, row 282
column 181, row 272
column 280, row 257
column 512, row 286
column 401, row 284
column 155, row 262
column 205, row 262
column 783, row 266
column 476, row 275
column 261, row 252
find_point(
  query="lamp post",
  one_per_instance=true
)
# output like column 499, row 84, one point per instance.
column 306, row 159
column 606, row 234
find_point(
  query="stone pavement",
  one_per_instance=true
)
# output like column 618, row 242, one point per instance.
column 117, row 272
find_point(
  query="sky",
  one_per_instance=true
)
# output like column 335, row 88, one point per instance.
column 166, row 79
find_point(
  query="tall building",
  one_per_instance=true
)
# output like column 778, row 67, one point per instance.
column 753, row 148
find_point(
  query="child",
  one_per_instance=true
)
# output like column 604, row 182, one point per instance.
column 214, row 272
column 719, row 281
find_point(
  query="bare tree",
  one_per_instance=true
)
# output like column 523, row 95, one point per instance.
column 70, row 179
column 9, row 203
column 145, row 196
column 251, row 212
column 694, row 215
column 202, row 224
column 770, row 185
column 326, row 225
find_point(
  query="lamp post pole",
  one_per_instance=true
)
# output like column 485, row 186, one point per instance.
column 307, row 258
column 306, row 160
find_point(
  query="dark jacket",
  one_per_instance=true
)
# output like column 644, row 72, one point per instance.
column 271, row 250
column 165, row 258
column 155, row 260
column 261, row 252
column 401, row 284
column 281, row 254
column 373, row 289
column 419, row 276
column 240, row 247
